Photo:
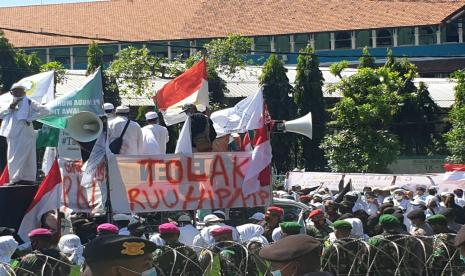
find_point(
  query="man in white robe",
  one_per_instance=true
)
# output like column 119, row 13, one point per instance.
column 21, row 138
column 132, row 139
column 155, row 135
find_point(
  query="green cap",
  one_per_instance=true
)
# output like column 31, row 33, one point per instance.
column 341, row 224
column 388, row 220
column 290, row 228
column 437, row 219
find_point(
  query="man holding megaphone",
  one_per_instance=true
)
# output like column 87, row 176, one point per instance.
column 17, row 128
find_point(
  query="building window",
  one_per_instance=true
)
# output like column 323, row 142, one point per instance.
column 384, row 38
column 180, row 49
column 109, row 52
column 40, row 53
column 450, row 32
column 300, row 42
column 427, row 35
column 322, row 41
column 158, row 49
column 61, row 55
column 282, row 43
column 406, row 36
column 363, row 39
column 202, row 42
column 262, row 44
column 80, row 58
column 343, row 40
column 136, row 45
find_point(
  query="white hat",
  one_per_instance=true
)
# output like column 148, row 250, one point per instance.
column 69, row 243
column 211, row 218
column 122, row 109
column 108, row 107
column 418, row 202
column 119, row 217
column 402, row 191
column 257, row 216
column 151, row 115
column 184, row 218
column 18, row 85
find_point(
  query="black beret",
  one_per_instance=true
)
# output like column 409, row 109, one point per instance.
column 389, row 210
column 460, row 237
column 416, row 214
column 111, row 247
column 135, row 225
column 290, row 248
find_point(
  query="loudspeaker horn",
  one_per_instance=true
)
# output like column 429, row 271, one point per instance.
column 302, row 125
column 84, row 126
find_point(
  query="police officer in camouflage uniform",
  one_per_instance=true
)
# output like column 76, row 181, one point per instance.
column 445, row 259
column 345, row 256
column 395, row 251
column 175, row 258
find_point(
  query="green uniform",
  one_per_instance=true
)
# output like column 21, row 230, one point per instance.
column 345, row 257
column 177, row 259
column 229, row 259
column 321, row 232
column 38, row 261
column 396, row 254
column 445, row 259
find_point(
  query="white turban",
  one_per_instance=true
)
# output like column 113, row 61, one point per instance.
column 71, row 246
column 251, row 232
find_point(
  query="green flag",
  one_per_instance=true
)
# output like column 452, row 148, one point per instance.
column 88, row 97
column 47, row 137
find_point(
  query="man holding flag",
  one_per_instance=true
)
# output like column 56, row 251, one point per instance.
column 17, row 128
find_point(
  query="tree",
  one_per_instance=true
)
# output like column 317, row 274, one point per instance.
column 308, row 97
column 456, row 136
column 60, row 71
column 225, row 56
column 361, row 141
column 366, row 60
column 134, row 68
column 276, row 91
column 94, row 58
column 109, row 84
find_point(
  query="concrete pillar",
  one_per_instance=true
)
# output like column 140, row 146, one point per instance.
column 353, row 40
column 71, row 58
column 333, row 41
column 395, row 38
column 373, row 38
column 292, row 43
column 460, row 31
column 438, row 35
column 417, row 36
column 192, row 51
column 311, row 40
column 47, row 55
column 169, row 51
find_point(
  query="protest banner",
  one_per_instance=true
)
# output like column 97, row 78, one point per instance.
column 76, row 196
column 359, row 180
column 188, row 182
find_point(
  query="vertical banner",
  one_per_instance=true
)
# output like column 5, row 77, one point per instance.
column 189, row 182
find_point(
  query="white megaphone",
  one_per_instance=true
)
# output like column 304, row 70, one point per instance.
column 302, row 125
column 84, row 126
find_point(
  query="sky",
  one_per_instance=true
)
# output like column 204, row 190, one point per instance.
column 12, row 3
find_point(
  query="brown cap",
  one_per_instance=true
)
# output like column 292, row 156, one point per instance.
column 290, row 248
column 460, row 237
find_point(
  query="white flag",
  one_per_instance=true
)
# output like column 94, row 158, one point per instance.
column 245, row 115
column 39, row 87
column 184, row 144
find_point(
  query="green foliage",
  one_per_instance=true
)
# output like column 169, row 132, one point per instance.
column 134, row 68
column 337, row 68
column 456, row 136
column 366, row 60
column 60, row 71
column 276, row 92
column 308, row 97
column 15, row 64
column 361, row 141
column 110, row 89
column 94, row 58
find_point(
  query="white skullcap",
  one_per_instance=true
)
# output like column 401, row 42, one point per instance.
column 122, row 109
column 119, row 217
column 184, row 218
column 68, row 244
column 8, row 246
column 151, row 115
column 108, row 106
column 18, row 85
column 257, row 216
column 211, row 218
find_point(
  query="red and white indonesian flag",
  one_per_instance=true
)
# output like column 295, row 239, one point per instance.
column 47, row 198
column 191, row 87
column 259, row 173
column 454, row 178
column 5, row 177
column 245, row 115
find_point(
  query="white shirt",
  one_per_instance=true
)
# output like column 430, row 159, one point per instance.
column 187, row 234
column 150, row 146
column 132, row 139
column 160, row 133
